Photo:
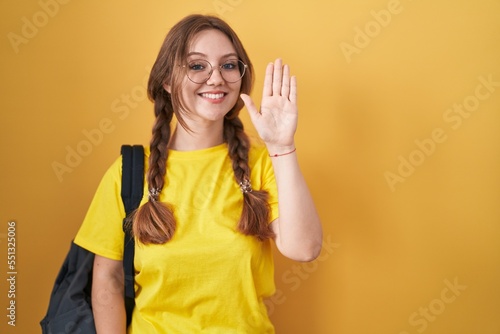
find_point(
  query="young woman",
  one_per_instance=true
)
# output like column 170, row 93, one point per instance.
column 213, row 200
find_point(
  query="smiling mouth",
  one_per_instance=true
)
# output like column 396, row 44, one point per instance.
column 210, row 96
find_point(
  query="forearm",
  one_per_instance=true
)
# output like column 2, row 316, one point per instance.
column 299, row 231
column 298, row 228
column 107, row 298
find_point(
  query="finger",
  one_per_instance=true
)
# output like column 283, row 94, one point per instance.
column 268, row 80
column 278, row 72
column 252, row 109
column 285, row 87
column 293, row 89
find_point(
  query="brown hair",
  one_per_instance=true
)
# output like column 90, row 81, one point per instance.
column 154, row 221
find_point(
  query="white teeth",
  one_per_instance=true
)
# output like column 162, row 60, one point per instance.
column 213, row 96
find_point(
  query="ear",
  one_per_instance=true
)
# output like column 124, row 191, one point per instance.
column 168, row 88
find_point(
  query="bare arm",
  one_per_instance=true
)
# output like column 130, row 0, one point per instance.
column 107, row 296
column 298, row 228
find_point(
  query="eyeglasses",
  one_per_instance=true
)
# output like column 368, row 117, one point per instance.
column 199, row 71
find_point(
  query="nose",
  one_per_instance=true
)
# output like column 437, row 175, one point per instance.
column 216, row 78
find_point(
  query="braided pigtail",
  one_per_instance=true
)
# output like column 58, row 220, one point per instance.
column 255, row 214
column 154, row 222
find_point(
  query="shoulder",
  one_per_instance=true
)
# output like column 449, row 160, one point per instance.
column 113, row 174
column 114, row 171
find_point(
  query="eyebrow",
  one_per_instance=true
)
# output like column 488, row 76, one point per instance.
column 204, row 55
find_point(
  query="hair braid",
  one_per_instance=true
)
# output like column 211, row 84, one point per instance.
column 154, row 221
column 255, row 214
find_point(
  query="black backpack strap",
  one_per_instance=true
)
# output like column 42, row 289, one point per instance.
column 132, row 192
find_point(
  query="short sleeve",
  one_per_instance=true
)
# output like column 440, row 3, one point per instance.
column 101, row 231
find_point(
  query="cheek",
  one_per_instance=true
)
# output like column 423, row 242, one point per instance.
column 236, row 88
column 186, row 99
column 188, row 92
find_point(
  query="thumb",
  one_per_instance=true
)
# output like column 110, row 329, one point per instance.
column 252, row 109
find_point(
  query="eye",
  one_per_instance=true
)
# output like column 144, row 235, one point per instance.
column 230, row 65
column 197, row 66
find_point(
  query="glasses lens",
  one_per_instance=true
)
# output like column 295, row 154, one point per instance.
column 232, row 70
column 199, row 71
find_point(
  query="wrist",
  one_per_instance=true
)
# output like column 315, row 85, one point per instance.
column 277, row 151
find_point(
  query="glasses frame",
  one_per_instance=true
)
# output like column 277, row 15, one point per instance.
column 245, row 66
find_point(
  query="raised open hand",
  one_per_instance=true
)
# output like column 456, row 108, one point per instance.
column 276, row 122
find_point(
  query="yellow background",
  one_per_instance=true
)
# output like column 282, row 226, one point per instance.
column 392, row 251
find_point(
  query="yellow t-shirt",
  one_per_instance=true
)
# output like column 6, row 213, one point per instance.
column 209, row 278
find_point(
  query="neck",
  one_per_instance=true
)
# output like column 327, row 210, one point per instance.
column 200, row 137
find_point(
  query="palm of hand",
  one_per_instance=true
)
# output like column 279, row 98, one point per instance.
column 276, row 122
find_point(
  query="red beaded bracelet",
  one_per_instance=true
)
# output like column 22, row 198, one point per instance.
column 279, row 155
